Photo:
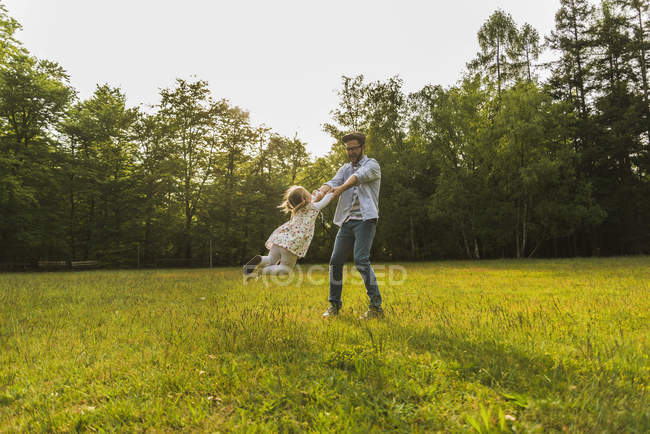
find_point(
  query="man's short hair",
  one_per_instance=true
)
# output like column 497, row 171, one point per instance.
column 359, row 137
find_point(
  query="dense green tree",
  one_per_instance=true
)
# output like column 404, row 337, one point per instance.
column 571, row 39
column 33, row 97
column 620, row 132
column 530, row 49
column 451, row 123
column 635, row 14
column 9, row 45
column 497, row 165
column 154, row 178
column 500, row 48
column 190, row 117
column 101, row 161
column 533, row 168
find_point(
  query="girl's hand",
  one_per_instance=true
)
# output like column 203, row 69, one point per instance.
column 318, row 195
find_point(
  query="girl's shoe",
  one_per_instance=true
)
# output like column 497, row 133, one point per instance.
column 250, row 276
column 251, row 265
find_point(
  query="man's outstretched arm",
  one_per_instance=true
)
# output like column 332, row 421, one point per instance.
column 350, row 182
column 334, row 182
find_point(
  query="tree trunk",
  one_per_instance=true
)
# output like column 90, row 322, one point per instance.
column 524, row 234
column 146, row 255
column 89, row 229
column 188, row 211
column 147, row 241
column 467, row 251
column 579, row 72
column 644, row 66
column 245, row 238
column 517, row 251
column 530, row 255
column 412, row 233
column 499, row 66
column 188, row 227
column 229, row 194
column 73, row 252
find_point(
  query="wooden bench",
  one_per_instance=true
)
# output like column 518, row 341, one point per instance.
column 84, row 265
column 53, row 265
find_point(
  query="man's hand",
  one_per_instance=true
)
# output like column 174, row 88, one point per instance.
column 336, row 192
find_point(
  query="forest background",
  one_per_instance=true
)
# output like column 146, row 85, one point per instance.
column 502, row 164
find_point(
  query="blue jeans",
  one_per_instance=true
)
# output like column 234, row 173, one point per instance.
column 354, row 235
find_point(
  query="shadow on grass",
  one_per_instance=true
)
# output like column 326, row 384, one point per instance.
column 516, row 373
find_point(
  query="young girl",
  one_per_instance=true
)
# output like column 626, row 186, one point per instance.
column 290, row 240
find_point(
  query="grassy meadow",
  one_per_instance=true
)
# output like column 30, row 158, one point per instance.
column 488, row 346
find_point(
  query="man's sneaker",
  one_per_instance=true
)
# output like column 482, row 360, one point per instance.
column 252, row 265
column 372, row 313
column 331, row 311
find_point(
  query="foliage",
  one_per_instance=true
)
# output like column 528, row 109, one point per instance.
column 497, row 165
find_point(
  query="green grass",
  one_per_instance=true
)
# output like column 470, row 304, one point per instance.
column 487, row 346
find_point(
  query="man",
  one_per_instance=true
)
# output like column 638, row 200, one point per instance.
column 357, row 183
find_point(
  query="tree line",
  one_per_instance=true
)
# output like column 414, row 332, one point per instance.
column 502, row 164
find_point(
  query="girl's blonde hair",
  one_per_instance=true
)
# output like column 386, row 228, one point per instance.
column 294, row 198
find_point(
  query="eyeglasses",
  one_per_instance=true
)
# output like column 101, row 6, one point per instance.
column 352, row 148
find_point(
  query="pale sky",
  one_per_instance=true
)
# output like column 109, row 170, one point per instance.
column 280, row 60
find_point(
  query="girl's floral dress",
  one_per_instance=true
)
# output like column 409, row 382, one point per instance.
column 296, row 234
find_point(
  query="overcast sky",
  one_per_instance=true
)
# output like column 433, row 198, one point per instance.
column 280, row 60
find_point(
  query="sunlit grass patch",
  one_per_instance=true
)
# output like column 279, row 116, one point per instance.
column 488, row 346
